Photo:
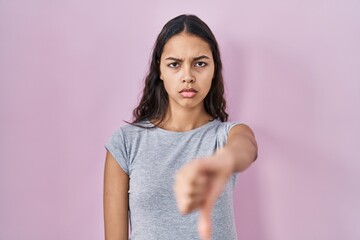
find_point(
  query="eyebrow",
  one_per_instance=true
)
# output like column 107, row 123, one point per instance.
column 181, row 60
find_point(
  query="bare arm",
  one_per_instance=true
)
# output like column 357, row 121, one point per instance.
column 240, row 149
column 116, row 185
column 199, row 183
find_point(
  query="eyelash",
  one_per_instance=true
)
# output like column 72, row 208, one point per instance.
column 171, row 65
column 203, row 64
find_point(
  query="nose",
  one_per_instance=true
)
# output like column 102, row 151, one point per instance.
column 188, row 80
column 188, row 77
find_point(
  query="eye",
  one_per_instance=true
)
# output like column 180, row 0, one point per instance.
column 200, row 64
column 174, row 65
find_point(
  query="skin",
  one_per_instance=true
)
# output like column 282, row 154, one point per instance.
column 186, row 62
column 116, row 202
column 199, row 183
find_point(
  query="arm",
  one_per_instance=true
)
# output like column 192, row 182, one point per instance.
column 240, row 149
column 199, row 183
column 116, row 185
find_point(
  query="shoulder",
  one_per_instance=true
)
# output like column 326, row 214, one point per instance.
column 135, row 127
column 240, row 128
column 226, row 127
column 131, row 130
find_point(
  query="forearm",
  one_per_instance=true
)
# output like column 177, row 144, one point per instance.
column 240, row 151
column 116, row 185
column 115, row 219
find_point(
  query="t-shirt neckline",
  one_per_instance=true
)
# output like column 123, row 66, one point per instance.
column 185, row 132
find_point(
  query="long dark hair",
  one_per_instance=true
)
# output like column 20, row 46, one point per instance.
column 154, row 101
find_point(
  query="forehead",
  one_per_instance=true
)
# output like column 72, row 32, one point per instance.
column 185, row 45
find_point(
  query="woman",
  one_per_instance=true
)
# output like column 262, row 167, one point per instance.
column 171, row 172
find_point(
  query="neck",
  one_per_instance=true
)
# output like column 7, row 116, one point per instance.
column 181, row 120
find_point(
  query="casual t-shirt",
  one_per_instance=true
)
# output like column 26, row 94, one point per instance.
column 151, row 157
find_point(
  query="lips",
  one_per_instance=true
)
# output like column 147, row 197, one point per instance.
column 188, row 92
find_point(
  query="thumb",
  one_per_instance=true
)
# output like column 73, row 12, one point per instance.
column 204, row 224
column 205, row 218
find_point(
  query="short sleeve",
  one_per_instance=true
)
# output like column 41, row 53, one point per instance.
column 230, row 125
column 117, row 147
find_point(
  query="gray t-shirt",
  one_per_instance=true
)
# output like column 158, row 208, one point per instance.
column 151, row 157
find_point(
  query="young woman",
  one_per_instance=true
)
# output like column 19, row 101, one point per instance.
column 171, row 172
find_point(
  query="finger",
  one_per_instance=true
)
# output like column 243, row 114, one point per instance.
column 188, row 201
column 201, row 180
column 202, row 185
column 195, row 191
column 194, row 201
column 204, row 224
column 215, row 179
column 205, row 218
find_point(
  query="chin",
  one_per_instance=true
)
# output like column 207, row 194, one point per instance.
column 191, row 105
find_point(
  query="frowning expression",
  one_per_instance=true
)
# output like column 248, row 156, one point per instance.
column 187, row 69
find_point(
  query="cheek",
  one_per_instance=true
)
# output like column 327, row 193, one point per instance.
column 170, row 80
column 207, row 80
column 164, row 73
column 169, row 84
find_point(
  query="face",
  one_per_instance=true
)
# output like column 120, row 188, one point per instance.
column 187, row 69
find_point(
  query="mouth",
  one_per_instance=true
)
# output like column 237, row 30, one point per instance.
column 188, row 92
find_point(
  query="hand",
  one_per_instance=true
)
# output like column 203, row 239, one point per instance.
column 198, row 184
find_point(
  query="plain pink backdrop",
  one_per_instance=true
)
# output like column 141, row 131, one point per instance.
column 72, row 70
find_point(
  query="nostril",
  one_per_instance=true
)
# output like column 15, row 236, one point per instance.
column 192, row 80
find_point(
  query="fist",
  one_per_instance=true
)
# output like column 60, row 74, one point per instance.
column 191, row 187
column 198, row 185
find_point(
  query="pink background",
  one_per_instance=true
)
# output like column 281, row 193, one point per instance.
column 72, row 70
